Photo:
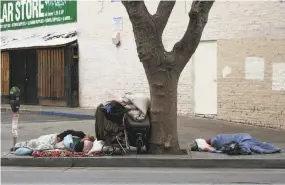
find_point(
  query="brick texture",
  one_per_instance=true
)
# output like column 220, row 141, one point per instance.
column 245, row 19
column 250, row 101
column 106, row 70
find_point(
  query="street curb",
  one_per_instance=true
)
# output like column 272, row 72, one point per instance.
column 67, row 114
column 160, row 162
column 53, row 113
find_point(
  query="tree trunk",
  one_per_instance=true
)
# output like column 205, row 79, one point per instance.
column 163, row 91
column 164, row 68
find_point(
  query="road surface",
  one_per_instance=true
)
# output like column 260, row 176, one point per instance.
column 26, row 118
column 11, row 175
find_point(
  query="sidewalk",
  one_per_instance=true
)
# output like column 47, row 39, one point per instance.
column 189, row 128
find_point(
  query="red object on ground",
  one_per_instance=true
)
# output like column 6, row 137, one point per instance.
column 64, row 154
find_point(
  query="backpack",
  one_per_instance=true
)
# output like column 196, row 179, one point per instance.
column 115, row 112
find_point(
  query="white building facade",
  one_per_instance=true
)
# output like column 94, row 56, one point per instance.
column 237, row 73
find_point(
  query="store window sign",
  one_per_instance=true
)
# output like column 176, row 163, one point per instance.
column 18, row 14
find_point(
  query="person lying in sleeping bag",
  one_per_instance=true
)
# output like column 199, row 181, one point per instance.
column 82, row 142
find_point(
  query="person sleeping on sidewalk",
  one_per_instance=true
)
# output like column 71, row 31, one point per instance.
column 234, row 144
column 71, row 140
column 81, row 141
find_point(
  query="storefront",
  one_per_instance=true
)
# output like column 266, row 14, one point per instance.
column 41, row 59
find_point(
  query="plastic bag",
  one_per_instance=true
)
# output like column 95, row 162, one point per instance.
column 68, row 143
column 97, row 146
column 114, row 111
column 232, row 148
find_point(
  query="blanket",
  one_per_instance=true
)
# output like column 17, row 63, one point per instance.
column 137, row 104
column 249, row 145
column 45, row 142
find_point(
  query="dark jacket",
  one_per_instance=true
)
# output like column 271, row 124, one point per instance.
column 79, row 134
column 78, row 146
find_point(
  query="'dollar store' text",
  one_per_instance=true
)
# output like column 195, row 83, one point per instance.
column 20, row 11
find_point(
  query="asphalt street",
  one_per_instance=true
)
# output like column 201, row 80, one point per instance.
column 6, row 118
column 139, row 176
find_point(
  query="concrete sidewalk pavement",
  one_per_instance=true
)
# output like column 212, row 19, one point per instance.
column 189, row 128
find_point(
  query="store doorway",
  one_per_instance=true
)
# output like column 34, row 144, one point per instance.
column 23, row 74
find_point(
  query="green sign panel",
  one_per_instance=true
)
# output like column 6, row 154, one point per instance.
column 20, row 14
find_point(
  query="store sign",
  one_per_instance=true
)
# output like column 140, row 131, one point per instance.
column 20, row 14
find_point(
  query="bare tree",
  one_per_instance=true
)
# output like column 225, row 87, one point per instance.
column 163, row 68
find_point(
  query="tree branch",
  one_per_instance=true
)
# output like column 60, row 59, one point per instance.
column 144, row 29
column 162, row 14
column 137, row 12
column 198, row 15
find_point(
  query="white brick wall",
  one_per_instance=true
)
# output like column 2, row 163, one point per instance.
column 251, row 101
column 105, row 69
column 234, row 19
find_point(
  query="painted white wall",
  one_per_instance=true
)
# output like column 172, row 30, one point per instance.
column 105, row 69
column 205, row 78
column 244, row 19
